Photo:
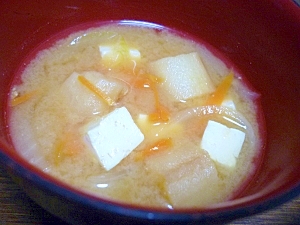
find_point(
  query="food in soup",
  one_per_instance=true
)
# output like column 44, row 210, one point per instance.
column 136, row 114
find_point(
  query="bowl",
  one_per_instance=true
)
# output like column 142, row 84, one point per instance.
column 261, row 38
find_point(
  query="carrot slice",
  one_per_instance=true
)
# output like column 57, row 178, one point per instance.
column 220, row 93
column 147, row 81
column 66, row 147
column 158, row 146
column 22, row 98
column 161, row 113
column 95, row 90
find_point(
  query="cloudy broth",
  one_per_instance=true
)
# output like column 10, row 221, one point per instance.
column 49, row 119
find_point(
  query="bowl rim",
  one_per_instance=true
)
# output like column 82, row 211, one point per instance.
column 241, row 207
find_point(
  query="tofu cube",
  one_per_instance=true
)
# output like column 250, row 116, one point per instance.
column 114, row 137
column 223, row 144
column 184, row 76
column 112, row 52
column 119, row 55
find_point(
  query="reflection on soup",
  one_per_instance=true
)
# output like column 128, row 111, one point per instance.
column 137, row 114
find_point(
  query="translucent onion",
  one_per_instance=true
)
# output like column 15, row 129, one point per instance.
column 108, row 178
column 103, row 181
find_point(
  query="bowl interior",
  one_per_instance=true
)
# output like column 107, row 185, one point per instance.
column 261, row 39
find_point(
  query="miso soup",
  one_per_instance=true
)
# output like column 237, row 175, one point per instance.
column 138, row 114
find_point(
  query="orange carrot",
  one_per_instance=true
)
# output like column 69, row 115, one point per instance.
column 220, row 93
column 59, row 148
column 154, row 79
column 161, row 114
column 95, row 90
column 147, row 81
column 66, row 147
column 22, row 98
column 142, row 83
column 158, row 146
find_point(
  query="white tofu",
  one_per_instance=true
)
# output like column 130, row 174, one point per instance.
column 119, row 55
column 184, row 76
column 114, row 137
column 113, row 52
column 223, row 144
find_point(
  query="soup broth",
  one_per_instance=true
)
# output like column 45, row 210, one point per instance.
column 120, row 91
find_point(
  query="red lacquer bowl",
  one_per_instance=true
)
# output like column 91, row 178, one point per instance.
column 262, row 39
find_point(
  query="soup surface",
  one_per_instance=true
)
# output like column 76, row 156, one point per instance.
column 136, row 114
